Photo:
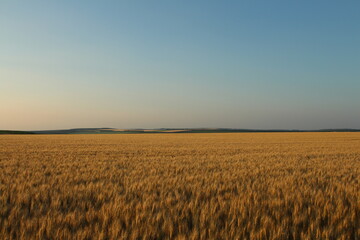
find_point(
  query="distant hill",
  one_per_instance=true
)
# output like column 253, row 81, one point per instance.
column 167, row 130
column 76, row 131
column 177, row 130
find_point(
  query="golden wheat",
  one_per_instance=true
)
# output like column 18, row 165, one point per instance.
column 180, row 186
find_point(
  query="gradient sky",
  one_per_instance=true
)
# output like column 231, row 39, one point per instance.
column 150, row 64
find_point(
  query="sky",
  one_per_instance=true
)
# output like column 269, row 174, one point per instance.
column 179, row 64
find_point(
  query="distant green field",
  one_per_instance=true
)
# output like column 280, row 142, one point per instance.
column 14, row 132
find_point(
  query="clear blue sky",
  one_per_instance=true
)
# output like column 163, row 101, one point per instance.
column 150, row 64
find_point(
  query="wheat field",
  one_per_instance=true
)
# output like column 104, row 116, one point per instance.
column 180, row 186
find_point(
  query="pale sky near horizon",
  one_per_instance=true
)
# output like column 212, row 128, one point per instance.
column 151, row 64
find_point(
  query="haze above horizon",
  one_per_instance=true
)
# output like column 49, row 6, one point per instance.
column 161, row 64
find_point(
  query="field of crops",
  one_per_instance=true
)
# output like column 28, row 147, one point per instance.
column 180, row 186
